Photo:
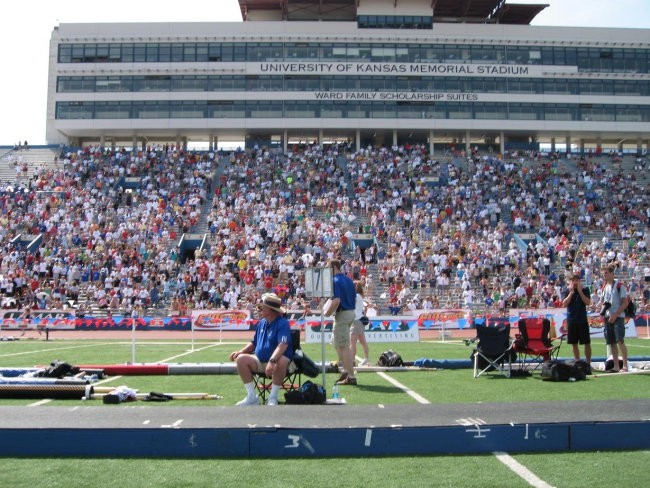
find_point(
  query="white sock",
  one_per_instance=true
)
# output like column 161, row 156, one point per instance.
column 250, row 389
column 274, row 390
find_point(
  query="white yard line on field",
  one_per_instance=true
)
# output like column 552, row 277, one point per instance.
column 522, row 471
column 54, row 349
column 518, row 468
column 416, row 396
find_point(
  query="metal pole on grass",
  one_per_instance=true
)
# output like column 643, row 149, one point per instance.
column 133, row 321
column 319, row 284
column 322, row 346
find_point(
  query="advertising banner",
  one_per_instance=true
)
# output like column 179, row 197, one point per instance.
column 221, row 319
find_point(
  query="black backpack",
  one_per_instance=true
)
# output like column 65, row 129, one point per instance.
column 308, row 394
column 390, row 358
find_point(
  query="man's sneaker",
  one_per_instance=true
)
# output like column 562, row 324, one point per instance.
column 272, row 401
column 365, row 362
column 348, row 381
column 341, row 378
column 248, row 401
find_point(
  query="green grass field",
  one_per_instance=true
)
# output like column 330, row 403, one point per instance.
column 592, row 469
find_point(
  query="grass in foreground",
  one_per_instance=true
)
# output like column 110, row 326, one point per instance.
column 567, row 470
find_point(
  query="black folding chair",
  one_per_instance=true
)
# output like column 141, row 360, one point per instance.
column 493, row 350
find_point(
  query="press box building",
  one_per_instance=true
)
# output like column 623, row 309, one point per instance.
column 471, row 72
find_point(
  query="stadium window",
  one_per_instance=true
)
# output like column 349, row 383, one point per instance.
column 629, row 113
column 164, row 52
column 335, row 110
column 65, row 53
column 202, row 52
column 189, row 52
column 127, row 53
column 115, row 53
column 522, row 111
column 177, row 53
column 548, row 57
column 214, row 52
column 571, row 56
column 102, row 53
column 77, row 53
column 112, row 110
column 74, row 110
column 151, row 51
column 90, row 53
column 330, row 52
column 239, row 52
column 410, row 54
column 460, row 111
column 139, row 52
column 227, row 52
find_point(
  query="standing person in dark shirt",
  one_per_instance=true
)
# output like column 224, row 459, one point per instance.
column 576, row 302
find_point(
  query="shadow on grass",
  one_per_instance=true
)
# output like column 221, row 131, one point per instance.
column 380, row 388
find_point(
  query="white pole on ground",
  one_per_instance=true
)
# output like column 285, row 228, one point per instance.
column 133, row 321
column 322, row 346
column 192, row 334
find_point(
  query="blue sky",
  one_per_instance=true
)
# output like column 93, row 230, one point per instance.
column 27, row 27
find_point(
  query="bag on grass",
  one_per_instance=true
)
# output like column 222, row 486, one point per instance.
column 308, row 394
column 390, row 358
column 59, row 369
column 556, row 370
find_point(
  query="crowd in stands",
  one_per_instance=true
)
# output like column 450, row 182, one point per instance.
column 444, row 228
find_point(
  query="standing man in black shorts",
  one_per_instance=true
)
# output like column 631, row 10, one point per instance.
column 576, row 303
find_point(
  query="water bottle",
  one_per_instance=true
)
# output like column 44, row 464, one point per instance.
column 335, row 392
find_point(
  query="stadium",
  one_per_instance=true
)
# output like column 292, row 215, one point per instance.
column 461, row 162
column 374, row 73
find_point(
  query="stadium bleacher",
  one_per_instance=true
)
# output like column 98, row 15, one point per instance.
column 446, row 228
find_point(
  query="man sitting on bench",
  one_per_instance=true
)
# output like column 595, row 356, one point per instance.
column 269, row 352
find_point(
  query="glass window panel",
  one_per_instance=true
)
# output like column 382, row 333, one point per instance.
column 522, row 111
column 127, row 53
column 115, row 53
column 102, row 52
column 356, row 110
column 334, row 110
column 65, row 53
column 139, row 53
column 112, row 110
column 177, row 53
column 227, row 52
column 202, row 52
column 460, row 111
column 151, row 55
column 77, row 53
column 300, row 109
column 383, row 110
column 90, row 52
column 558, row 112
column 214, row 52
column 186, row 109
column 74, row 110
column 189, row 52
